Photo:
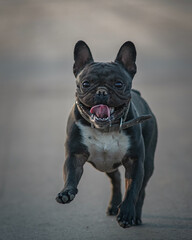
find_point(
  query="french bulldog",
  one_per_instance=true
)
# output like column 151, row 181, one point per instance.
column 110, row 125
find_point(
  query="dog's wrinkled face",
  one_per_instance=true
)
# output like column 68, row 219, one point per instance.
column 103, row 89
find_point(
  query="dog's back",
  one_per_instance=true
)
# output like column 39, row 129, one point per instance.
column 149, row 132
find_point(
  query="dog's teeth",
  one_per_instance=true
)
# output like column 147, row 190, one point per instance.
column 101, row 119
column 112, row 110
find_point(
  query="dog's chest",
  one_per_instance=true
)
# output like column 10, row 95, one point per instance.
column 106, row 149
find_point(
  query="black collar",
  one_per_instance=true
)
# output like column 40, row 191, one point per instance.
column 115, row 126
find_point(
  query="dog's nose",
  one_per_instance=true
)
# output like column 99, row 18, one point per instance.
column 102, row 91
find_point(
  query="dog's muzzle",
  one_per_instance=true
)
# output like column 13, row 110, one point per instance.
column 102, row 117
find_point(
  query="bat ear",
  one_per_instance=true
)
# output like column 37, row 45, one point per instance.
column 127, row 57
column 82, row 56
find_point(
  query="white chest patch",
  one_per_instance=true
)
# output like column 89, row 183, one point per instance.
column 106, row 149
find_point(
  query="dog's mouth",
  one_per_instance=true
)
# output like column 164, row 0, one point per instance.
column 102, row 112
column 102, row 115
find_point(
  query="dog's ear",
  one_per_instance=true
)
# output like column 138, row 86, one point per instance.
column 127, row 57
column 82, row 56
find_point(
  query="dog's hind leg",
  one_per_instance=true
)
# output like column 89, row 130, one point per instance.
column 150, row 140
column 116, row 196
column 139, row 206
column 149, row 167
column 140, row 200
column 150, row 147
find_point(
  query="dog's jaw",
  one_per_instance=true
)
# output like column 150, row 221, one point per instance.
column 101, row 116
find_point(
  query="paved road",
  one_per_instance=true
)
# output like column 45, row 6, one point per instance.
column 36, row 94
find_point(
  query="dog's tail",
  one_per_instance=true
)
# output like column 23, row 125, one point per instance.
column 136, row 91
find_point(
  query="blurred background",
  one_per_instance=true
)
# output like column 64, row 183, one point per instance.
column 37, row 90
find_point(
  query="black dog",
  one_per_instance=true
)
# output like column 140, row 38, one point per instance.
column 110, row 125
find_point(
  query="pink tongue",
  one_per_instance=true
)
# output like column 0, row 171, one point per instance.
column 101, row 111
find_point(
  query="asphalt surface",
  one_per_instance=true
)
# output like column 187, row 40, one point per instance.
column 37, row 91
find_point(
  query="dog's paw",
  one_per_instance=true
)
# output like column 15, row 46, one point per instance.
column 66, row 195
column 112, row 210
column 138, row 221
column 126, row 216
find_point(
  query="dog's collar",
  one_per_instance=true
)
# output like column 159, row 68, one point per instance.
column 116, row 126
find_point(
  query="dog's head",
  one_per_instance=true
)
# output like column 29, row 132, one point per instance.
column 104, row 89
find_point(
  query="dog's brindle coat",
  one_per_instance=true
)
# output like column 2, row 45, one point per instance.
column 89, row 141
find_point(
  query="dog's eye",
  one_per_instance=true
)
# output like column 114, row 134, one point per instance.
column 86, row 84
column 118, row 84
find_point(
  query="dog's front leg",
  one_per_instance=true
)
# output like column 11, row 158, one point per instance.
column 134, row 172
column 73, row 170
